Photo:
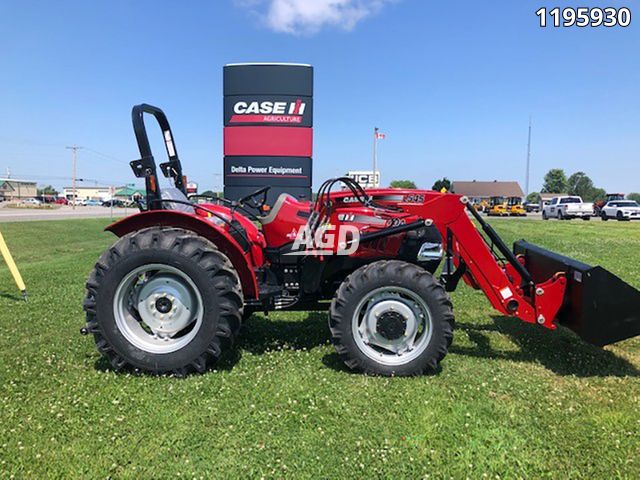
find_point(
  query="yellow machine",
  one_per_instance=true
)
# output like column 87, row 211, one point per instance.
column 515, row 208
column 497, row 207
column 4, row 250
column 481, row 206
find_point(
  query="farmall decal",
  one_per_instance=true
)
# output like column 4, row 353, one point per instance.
column 268, row 112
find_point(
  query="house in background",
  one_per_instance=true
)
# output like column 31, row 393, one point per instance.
column 545, row 198
column 12, row 189
column 478, row 191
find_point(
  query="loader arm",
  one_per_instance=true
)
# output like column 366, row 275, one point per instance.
column 508, row 286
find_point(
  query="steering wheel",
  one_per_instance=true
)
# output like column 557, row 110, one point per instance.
column 255, row 202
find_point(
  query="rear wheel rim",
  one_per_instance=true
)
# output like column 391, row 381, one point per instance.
column 158, row 308
column 392, row 325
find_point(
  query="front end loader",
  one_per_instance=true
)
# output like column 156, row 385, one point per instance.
column 497, row 207
column 515, row 207
column 171, row 293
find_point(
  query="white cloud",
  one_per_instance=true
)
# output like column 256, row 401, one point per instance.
column 309, row 16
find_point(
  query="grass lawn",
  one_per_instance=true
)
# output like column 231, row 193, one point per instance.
column 511, row 400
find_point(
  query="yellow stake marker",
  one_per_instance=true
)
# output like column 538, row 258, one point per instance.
column 12, row 267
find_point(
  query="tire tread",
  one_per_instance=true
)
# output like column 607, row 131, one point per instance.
column 188, row 244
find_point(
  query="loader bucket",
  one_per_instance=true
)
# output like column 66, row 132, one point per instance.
column 600, row 307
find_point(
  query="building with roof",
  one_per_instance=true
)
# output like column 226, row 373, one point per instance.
column 88, row 193
column 129, row 193
column 477, row 191
column 546, row 197
column 12, row 189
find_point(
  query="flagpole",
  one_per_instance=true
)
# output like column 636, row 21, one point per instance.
column 375, row 153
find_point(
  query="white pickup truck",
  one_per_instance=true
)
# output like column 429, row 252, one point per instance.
column 566, row 208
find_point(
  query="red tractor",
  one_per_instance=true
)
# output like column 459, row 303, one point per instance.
column 171, row 294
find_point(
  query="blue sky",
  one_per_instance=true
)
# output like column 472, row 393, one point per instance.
column 452, row 84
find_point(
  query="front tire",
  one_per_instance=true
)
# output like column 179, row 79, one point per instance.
column 391, row 318
column 604, row 217
column 544, row 215
column 163, row 300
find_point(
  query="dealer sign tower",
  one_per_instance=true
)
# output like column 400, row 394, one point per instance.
column 268, row 134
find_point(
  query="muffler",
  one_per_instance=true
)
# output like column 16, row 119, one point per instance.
column 598, row 306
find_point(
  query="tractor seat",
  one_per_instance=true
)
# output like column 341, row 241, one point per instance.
column 284, row 199
column 176, row 194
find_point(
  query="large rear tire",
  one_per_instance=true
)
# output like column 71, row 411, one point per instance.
column 391, row 318
column 163, row 300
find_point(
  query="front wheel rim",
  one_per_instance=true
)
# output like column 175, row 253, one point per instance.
column 392, row 325
column 158, row 308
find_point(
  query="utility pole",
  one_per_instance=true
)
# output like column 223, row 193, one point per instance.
column 526, row 181
column 74, row 156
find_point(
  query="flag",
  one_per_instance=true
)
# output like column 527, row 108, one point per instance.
column 380, row 135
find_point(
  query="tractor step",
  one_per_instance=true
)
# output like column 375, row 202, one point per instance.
column 598, row 306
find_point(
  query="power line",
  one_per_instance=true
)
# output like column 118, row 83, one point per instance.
column 36, row 143
column 104, row 155
column 27, row 141
column 57, row 177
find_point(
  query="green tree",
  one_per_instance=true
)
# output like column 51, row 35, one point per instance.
column 48, row 190
column 208, row 193
column 634, row 196
column 580, row 184
column 403, row 184
column 440, row 184
column 555, row 181
column 596, row 195
column 533, row 197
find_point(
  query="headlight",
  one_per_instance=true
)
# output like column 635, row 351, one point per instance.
column 430, row 251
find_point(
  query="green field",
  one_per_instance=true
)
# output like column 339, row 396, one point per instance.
column 511, row 400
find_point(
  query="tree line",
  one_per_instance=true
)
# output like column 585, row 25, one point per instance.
column 555, row 181
column 579, row 184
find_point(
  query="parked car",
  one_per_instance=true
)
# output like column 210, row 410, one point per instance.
column 531, row 206
column 31, row 201
column 113, row 203
column 89, row 202
column 621, row 210
column 566, row 208
column 610, row 197
column 61, row 201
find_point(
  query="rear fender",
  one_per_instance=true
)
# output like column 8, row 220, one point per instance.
column 226, row 244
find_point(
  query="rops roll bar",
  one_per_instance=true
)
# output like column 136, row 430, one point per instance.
column 145, row 167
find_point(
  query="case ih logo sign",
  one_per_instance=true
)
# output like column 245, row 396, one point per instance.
column 268, row 112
